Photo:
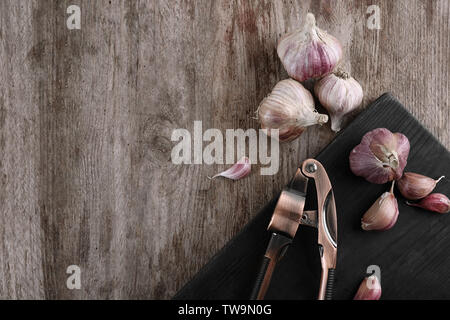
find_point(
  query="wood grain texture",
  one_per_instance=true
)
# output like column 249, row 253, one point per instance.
column 86, row 118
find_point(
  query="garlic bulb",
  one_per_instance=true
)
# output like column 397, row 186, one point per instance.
column 309, row 53
column 339, row 94
column 436, row 202
column 414, row 186
column 369, row 289
column 383, row 214
column 290, row 109
column 381, row 156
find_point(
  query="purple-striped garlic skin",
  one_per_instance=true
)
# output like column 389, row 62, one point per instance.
column 369, row 289
column 309, row 53
column 436, row 202
column 340, row 94
column 290, row 109
column 239, row 170
column 381, row 156
column 414, row 186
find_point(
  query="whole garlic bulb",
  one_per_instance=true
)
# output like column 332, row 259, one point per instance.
column 290, row 109
column 339, row 94
column 309, row 53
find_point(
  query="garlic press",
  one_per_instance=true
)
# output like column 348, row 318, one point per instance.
column 289, row 213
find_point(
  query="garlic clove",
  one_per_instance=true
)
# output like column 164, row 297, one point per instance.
column 339, row 94
column 383, row 214
column 290, row 109
column 436, row 202
column 369, row 289
column 381, row 156
column 239, row 170
column 414, row 186
column 309, row 52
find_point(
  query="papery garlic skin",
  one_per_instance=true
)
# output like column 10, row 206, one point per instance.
column 369, row 289
column 414, row 186
column 310, row 52
column 239, row 170
column 290, row 109
column 436, row 202
column 383, row 214
column 381, row 156
column 339, row 94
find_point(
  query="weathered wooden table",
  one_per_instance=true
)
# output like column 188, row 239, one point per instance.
column 86, row 117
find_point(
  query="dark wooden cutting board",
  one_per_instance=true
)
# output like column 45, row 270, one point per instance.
column 414, row 256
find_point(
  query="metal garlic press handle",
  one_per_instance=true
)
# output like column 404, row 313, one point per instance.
column 330, row 285
column 326, row 225
column 283, row 226
column 275, row 251
column 326, row 284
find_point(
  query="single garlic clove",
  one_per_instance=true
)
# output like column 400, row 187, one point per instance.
column 239, row 170
column 309, row 52
column 383, row 214
column 414, row 186
column 339, row 94
column 369, row 289
column 381, row 156
column 290, row 109
column 436, row 202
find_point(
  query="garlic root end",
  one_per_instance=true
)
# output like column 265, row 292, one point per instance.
column 322, row 119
